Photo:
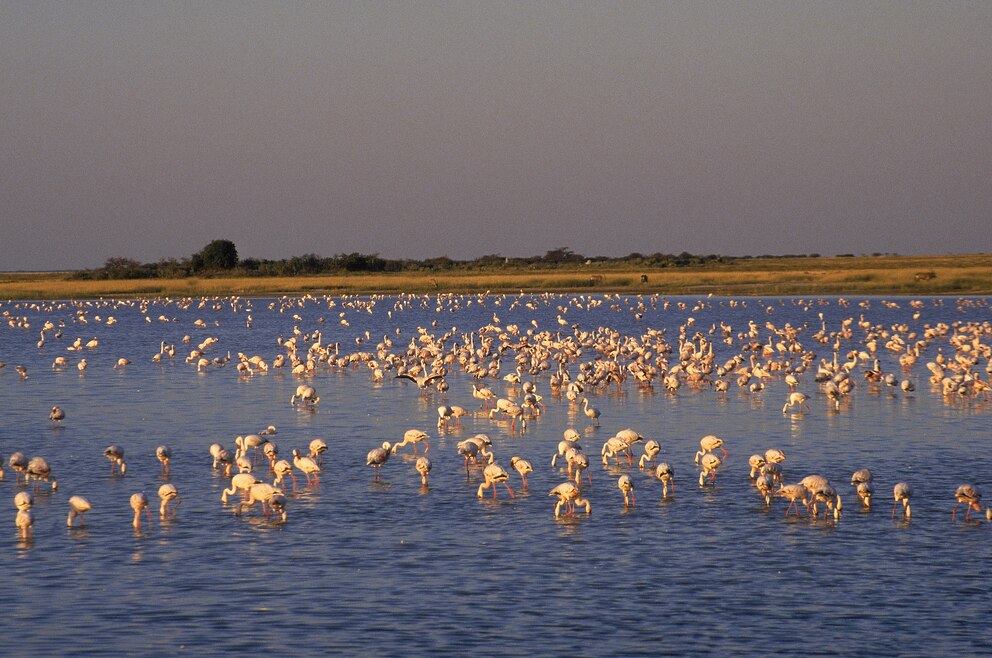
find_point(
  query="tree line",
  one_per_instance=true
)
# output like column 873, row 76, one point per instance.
column 220, row 258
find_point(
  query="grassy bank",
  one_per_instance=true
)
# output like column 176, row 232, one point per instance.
column 888, row 275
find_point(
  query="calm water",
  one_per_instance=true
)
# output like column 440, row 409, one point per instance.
column 385, row 568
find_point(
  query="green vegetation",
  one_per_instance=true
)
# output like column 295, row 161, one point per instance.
column 217, row 270
column 846, row 275
column 220, row 258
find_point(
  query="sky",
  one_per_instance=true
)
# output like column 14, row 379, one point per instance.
column 418, row 129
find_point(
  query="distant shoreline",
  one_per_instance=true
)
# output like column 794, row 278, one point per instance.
column 807, row 276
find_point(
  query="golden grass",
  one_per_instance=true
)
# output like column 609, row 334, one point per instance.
column 964, row 274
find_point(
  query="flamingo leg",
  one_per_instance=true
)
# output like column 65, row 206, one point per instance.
column 507, row 488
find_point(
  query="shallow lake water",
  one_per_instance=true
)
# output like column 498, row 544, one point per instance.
column 366, row 567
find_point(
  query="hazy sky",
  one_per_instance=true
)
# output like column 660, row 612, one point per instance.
column 416, row 129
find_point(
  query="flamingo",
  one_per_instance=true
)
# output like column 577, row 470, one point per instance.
column 666, row 474
column 163, row 454
column 813, row 483
column 774, row 456
column 167, row 493
column 772, row 470
column 494, row 474
column 242, row 462
column 710, row 443
column 796, row 399
column 971, row 496
column 422, row 382
column 24, row 521
column 902, row 492
column 569, row 496
column 308, row 466
column 710, row 464
column 861, row 475
column 592, row 413
column 483, row 393
column 223, row 458
column 115, row 454
column 140, row 502
column 253, row 441
column 19, row 463
column 77, row 507
column 629, row 437
column 764, row 484
column 469, row 450
column 651, row 450
column 39, row 469
column 265, row 494
column 833, row 394
column 57, row 415
column 515, row 412
column 413, row 436
column 612, row 448
column 271, row 450
column 444, row 412
column 458, row 413
column 305, row 394
column 522, row 466
column 795, row 493
column 377, row 457
column 317, row 449
column 828, row 496
column 861, row 479
column 563, row 447
column 423, row 466
column 865, row 491
column 627, row 488
column 755, row 462
column 282, row 468
column 578, row 461
column 240, row 482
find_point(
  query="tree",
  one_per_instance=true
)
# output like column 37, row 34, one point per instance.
column 218, row 255
column 122, row 268
column 561, row 255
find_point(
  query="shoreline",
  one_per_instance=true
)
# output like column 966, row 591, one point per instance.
column 864, row 275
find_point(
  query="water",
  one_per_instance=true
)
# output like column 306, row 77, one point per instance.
column 385, row 568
